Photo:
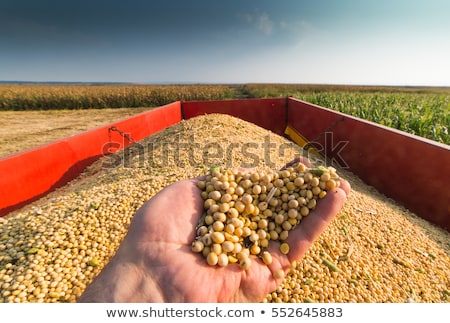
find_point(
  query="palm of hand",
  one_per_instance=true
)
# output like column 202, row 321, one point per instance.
column 161, row 234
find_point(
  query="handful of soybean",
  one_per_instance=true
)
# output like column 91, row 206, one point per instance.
column 246, row 210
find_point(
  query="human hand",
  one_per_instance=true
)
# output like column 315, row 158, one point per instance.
column 155, row 262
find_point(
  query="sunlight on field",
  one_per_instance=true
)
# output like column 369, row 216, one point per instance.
column 423, row 111
column 20, row 130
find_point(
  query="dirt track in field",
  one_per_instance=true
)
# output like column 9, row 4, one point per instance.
column 22, row 130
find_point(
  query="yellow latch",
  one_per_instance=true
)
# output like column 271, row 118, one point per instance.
column 300, row 140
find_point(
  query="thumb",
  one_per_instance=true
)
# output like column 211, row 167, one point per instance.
column 311, row 226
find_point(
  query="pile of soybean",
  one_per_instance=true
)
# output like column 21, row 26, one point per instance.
column 245, row 210
column 373, row 251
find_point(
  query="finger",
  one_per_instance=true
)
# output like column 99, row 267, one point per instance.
column 345, row 186
column 298, row 159
column 198, row 179
column 306, row 233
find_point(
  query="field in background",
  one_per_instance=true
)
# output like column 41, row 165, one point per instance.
column 418, row 110
column 33, row 114
column 20, row 97
column 21, row 130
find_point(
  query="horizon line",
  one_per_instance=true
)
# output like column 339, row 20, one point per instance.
column 24, row 82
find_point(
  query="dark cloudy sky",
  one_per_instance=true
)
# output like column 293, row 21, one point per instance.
column 390, row 42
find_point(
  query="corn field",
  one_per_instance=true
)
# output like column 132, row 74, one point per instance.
column 49, row 97
column 421, row 111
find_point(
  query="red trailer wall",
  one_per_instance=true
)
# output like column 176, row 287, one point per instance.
column 267, row 113
column 29, row 175
column 409, row 169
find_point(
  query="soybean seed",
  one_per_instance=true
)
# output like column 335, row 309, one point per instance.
column 284, row 248
column 222, row 260
column 278, row 274
column 197, row 246
column 266, row 257
column 212, row 259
